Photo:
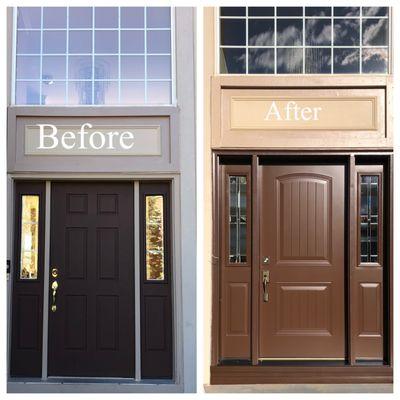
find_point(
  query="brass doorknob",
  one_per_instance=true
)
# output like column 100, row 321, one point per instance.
column 265, row 281
column 54, row 287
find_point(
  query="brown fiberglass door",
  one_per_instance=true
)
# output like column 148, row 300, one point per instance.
column 301, row 287
column 91, row 330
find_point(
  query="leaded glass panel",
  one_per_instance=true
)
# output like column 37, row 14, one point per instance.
column 237, row 219
column 369, row 218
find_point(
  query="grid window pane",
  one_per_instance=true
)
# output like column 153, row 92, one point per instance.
column 80, row 67
column 80, row 17
column 54, row 42
column 106, row 67
column 158, row 42
column 28, row 67
column 261, row 32
column 54, row 67
column 375, row 61
column 158, row 17
column 233, row 61
column 80, row 42
column 85, row 55
column 346, row 11
column 233, row 11
column 289, row 61
column 261, row 61
column 233, row 32
column 346, row 32
column 28, row 42
column 132, row 67
column 309, row 40
column 261, row 11
column 80, row 92
column 318, row 11
column 158, row 67
column 289, row 32
column 132, row 42
column 55, row 17
column 27, row 93
column 375, row 32
column 106, row 41
column 318, row 32
column 132, row 93
column 28, row 17
column 289, row 11
column 375, row 11
column 106, row 17
column 53, row 93
column 159, row 92
column 318, row 61
column 132, row 17
column 105, row 92
column 346, row 61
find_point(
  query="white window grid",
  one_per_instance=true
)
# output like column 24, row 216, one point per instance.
column 93, row 54
column 303, row 46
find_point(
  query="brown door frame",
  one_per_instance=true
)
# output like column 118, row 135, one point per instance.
column 253, row 158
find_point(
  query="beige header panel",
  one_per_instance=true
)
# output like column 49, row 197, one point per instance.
column 298, row 113
column 300, row 118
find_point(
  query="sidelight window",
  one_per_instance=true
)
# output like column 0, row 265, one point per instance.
column 29, row 237
column 309, row 40
column 93, row 55
column 369, row 218
column 155, row 263
column 237, row 219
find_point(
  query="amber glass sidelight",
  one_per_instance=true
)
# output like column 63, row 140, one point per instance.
column 155, row 264
column 29, row 237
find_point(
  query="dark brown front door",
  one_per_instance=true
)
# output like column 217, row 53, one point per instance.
column 91, row 331
column 301, row 288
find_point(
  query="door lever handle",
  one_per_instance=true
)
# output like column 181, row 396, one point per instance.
column 54, row 287
column 264, row 283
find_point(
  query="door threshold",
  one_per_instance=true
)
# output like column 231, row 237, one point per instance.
column 100, row 385
column 299, row 373
column 85, row 380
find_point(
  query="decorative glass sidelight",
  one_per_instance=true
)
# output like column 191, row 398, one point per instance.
column 369, row 217
column 29, row 237
column 237, row 219
column 155, row 263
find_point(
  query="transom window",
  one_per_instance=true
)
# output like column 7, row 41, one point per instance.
column 93, row 55
column 309, row 40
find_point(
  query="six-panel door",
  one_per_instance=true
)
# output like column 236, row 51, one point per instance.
column 91, row 312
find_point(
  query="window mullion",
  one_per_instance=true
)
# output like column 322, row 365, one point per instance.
column 67, row 62
column 93, row 43
column 145, row 54
column 41, row 56
column 119, row 55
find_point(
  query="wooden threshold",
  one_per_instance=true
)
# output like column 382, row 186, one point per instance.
column 259, row 374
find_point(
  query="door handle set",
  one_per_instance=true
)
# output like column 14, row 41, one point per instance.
column 54, row 287
column 265, row 281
